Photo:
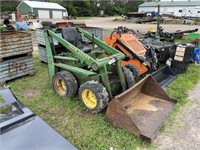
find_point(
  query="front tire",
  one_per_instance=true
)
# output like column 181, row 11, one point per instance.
column 134, row 69
column 65, row 84
column 93, row 96
column 130, row 79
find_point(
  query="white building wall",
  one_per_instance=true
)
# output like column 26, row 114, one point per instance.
column 180, row 11
column 177, row 11
column 145, row 9
column 193, row 12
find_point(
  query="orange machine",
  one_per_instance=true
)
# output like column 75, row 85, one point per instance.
column 19, row 17
column 138, row 59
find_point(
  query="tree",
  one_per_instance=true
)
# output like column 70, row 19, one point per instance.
column 85, row 7
column 132, row 6
column 94, row 7
column 9, row 5
column 70, row 8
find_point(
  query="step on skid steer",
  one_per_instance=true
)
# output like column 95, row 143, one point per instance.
column 139, row 59
column 96, row 74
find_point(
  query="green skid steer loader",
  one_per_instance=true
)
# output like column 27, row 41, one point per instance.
column 95, row 73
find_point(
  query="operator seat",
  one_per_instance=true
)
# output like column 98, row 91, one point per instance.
column 72, row 36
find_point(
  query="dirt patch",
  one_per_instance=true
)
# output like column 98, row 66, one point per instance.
column 188, row 136
column 59, row 110
column 84, row 114
column 30, row 94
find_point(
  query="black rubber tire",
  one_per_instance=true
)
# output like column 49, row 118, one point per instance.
column 99, row 91
column 179, row 66
column 172, row 52
column 188, row 53
column 134, row 69
column 189, row 50
column 129, row 77
column 69, row 81
column 162, row 56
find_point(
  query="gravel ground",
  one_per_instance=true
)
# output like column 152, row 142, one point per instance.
column 188, row 135
column 108, row 23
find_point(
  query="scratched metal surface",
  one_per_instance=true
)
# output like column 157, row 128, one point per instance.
column 15, row 43
column 40, row 36
column 97, row 32
column 14, row 68
column 42, row 54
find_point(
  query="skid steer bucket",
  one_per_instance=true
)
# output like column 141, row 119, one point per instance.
column 141, row 109
column 164, row 76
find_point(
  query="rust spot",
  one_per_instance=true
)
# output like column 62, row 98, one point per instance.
column 15, row 67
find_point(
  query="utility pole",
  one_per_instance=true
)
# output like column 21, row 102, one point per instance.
column 158, row 19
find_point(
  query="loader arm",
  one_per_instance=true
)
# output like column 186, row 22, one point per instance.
column 97, row 65
column 100, row 43
column 83, row 57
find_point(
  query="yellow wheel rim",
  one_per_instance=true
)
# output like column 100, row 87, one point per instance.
column 89, row 98
column 60, row 86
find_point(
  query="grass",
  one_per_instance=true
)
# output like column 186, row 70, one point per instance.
column 83, row 129
column 83, row 18
column 179, row 91
column 173, row 21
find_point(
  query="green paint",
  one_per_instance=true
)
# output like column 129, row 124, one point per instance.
column 87, row 66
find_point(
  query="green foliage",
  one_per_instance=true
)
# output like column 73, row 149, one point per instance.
column 85, row 7
column 70, row 8
column 1, row 99
column 9, row 5
column 132, row 6
column 78, row 8
column 116, row 8
column 185, row 81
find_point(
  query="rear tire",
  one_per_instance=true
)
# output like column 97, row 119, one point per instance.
column 130, row 79
column 179, row 67
column 163, row 56
column 93, row 96
column 134, row 69
column 65, row 84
